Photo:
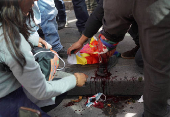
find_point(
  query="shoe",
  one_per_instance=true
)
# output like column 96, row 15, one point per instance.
column 63, row 53
column 112, row 62
column 61, row 24
column 130, row 54
column 103, row 70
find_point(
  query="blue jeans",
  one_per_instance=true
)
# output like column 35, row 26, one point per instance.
column 48, row 23
column 61, row 10
column 11, row 103
column 81, row 13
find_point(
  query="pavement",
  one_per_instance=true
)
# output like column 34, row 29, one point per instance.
column 127, row 81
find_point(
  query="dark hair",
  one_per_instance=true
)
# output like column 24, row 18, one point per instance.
column 14, row 22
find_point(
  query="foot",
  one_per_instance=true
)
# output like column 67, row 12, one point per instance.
column 130, row 54
column 63, row 53
column 112, row 62
column 61, row 24
column 103, row 70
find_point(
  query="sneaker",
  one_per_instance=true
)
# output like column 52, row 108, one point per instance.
column 130, row 54
column 63, row 53
column 61, row 24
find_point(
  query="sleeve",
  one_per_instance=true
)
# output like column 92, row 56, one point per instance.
column 34, row 38
column 32, row 79
column 94, row 22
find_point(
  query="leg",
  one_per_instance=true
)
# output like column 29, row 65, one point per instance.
column 138, row 58
column 49, row 24
column 81, row 13
column 58, row 100
column 88, row 5
column 61, row 17
column 93, row 4
column 154, row 42
column 61, row 10
column 13, row 101
column 133, row 31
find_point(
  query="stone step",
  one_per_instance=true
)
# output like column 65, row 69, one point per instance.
column 125, row 80
column 128, row 73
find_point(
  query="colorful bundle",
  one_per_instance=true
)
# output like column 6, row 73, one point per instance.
column 89, row 53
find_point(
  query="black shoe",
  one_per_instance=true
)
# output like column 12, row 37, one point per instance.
column 112, row 62
column 104, row 70
column 61, row 24
column 63, row 53
column 130, row 54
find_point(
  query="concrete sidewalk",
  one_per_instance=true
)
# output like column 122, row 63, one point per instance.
column 126, row 75
column 127, row 80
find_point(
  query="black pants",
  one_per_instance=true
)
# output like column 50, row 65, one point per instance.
column 153, row 19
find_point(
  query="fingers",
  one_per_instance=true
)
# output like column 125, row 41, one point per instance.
column 46, row 46
column 39, row 45
column 69, row 50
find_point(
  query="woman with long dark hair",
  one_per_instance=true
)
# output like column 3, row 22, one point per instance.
column 18, row 66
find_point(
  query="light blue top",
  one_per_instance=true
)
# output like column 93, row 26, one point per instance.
column 32, row 78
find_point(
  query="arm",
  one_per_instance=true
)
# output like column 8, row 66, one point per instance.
column 32, row 78
column 93, row 24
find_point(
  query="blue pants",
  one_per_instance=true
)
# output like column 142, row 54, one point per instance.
column 81, row 13
column 61, row 10
column 10, row 104
column 48, row 23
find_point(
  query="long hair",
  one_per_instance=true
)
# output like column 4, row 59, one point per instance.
column 14, row 22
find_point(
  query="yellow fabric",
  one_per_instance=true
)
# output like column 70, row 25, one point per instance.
column 92, row 39
column 82, row 60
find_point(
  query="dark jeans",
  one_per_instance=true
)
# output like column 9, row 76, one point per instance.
column 81, row 13
column 153, row 19
column 61, row 16
column 138, row 58
column 10, row 104
column 133, row 31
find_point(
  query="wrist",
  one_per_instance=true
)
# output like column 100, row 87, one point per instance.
column 76, row 79
column 82, row 39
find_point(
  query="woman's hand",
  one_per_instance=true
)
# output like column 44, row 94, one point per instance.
column 81, row 78
column 43, row 42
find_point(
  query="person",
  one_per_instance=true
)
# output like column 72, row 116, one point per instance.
column 94, row 23
column 21, row 71
column 49, row 26
column 154, row 35
column 80, row 10
column 91, row 5
column 61, row 16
